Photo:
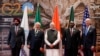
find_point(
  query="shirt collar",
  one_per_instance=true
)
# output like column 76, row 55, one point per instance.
column 88, row 27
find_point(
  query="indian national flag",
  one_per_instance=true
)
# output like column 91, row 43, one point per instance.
column 56, row 21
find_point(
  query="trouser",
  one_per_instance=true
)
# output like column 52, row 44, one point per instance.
column 35, row 52
column 52, row 52
column 71, row 52
column 87, row 52
column 15, row 51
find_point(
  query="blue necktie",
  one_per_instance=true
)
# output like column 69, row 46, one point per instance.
column 86, row 30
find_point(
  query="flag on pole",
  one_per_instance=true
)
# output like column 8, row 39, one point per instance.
column 38, row 19
column 56, row 21
column 86, row 15
column 25, row 26
column 37, row 16
column 71, row 14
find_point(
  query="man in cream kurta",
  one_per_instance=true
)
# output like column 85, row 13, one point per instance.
column 52, row 39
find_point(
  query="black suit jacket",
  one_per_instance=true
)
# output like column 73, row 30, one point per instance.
column 16, row 39
column 89, row 39
column 71, row 41
column 35, row 41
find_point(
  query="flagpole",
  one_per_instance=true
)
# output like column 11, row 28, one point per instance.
column 38, row 3
column 60, row 44
column 25, row 26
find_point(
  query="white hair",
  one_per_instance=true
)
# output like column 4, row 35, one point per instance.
column 37, row 23
column 52, row 23
column 89, row 20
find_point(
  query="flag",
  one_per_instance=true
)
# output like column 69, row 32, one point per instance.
column 25, row 26
column 38, row 19
column 37, row 16
column 86, row 15
column 56, row 21
column 71, row 14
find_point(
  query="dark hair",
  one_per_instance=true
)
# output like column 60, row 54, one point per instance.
column 17, row 20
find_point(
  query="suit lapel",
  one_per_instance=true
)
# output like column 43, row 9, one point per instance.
column 38, row 32
column 73, row 31
column 89, row 30
column 69, row 31
column 14, row 30
column 35, row 33
column 18, row 29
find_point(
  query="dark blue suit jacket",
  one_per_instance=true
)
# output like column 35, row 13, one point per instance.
column 89, row 39
column 35, row 41
column 16, row 39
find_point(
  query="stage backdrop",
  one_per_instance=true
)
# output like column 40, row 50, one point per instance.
column 5, row 24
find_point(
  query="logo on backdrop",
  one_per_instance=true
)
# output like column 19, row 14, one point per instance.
column 15, row 9
column 29, row 6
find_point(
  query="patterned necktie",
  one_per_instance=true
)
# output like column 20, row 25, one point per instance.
column 36, row 31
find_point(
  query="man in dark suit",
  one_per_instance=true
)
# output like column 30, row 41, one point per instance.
column 35, row 40
column 88, row 39
column 71, row 40
column 16, row 38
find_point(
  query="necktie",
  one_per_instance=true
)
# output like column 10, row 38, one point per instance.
column 16, row 29
column 36, row 31
column 86, row 30
column 71, row 31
